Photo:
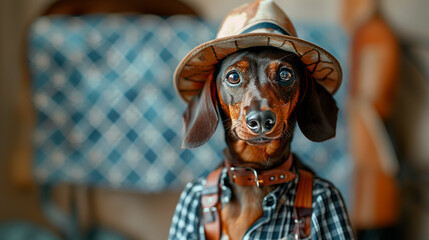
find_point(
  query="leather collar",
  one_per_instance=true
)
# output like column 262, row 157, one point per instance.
column 245, row 176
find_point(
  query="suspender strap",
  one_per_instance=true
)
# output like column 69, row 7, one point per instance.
column 302, row 208
column 211, row 205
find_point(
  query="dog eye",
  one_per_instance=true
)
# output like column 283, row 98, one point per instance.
column 286, row 76
column 233, row 78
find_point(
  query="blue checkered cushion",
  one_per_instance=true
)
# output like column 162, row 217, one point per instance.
column 107, row 110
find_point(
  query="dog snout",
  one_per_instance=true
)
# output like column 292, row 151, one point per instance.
column 260, row 122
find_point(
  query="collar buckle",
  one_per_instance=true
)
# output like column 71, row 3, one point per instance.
column 254, row 171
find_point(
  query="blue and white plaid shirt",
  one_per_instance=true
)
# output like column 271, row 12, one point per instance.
column 329, row 219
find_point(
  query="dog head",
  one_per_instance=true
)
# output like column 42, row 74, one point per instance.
column 260, row 94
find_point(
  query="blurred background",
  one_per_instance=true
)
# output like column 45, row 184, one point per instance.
column 90, row 124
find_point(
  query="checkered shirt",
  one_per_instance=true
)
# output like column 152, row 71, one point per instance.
column 329, row 219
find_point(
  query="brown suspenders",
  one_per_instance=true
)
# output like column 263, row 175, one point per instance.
column 302, row 208
column 211, row 205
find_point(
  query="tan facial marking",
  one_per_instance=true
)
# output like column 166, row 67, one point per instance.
column 273, row 146
column 272, row 69
column 256, row 154
column 248, row 153
column 234, row 112
column 243, row 64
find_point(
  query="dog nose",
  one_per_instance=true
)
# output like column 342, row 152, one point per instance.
column 260, row 121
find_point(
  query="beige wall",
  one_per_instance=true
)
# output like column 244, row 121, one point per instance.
column 326, row 10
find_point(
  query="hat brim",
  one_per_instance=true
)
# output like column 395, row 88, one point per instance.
column 194, row 70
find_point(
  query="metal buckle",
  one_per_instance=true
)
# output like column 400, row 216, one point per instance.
column 209, row 213
column 296, row 235
column 209, row 209
column 255, row 173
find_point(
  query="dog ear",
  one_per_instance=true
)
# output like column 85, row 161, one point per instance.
column 200, row 118
column 317, row 112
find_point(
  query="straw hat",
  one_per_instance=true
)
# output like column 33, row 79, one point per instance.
column 260, row 23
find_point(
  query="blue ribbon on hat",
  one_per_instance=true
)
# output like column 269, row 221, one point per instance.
column 265, row 25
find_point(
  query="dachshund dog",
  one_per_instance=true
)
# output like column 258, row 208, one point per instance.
column 260, row 93
column 260, row 80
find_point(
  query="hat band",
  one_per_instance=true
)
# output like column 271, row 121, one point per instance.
column 265, row 25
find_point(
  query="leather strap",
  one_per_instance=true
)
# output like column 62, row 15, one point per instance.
column 302, row 208
column 252, row 177
column 211, row 205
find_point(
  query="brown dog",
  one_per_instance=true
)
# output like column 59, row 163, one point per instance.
column 262, row 80
column 261, row 93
